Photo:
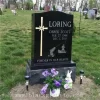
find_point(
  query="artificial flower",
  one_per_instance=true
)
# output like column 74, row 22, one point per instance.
column 54, row 72
column 57, row 83
column 44, row 89
column 45, row 73
column 66, row 86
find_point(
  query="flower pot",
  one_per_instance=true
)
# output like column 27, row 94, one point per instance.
column 55, row 92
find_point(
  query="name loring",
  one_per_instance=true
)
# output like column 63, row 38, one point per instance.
column 60, row 23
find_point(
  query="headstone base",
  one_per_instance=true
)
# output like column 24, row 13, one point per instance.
column 37, row 77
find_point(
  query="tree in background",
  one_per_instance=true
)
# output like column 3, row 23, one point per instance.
column 22, row 3
column 98, row 5
column 28, row 5
column 92, row 4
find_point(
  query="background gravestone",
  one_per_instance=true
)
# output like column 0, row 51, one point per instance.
column 51, row 44
column 91, row 14
column 0, row 11
column 47, row 8
column 59, row 8
column 12, row 7
column 2, row 7
column 35, row 7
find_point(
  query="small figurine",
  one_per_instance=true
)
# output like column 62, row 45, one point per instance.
column 68, row 80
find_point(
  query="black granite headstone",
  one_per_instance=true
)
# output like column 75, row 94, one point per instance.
column 51, row 41
column 52, row 38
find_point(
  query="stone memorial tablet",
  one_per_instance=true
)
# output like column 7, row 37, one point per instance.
column 51, row 43
column 52, row 37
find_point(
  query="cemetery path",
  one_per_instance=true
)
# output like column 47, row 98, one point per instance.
column 87, row 91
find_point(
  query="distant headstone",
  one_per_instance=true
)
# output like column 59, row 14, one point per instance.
column 98, row 16
column 2, row 6
column 91, row 14
column 96, row 10
column 85, row 13
column 35, row 7
column 80, row 10
column 51, row 44
column 59, row 8
column 47, row 8
column 12, row 7
column 0, row 11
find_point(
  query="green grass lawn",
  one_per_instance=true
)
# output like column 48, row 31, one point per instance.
column 15, row 48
